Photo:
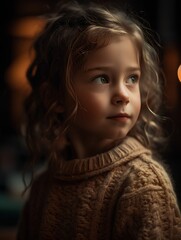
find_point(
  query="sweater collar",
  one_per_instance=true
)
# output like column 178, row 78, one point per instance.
column 87, row 167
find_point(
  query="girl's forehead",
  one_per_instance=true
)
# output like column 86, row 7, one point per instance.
column 102, row 42
column 119, row 48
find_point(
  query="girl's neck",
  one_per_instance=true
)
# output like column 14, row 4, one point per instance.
column 83, row 148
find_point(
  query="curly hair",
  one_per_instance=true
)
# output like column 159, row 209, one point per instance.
column 61, row 48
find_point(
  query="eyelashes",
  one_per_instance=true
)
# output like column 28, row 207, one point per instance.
column 133, row 79
column 105, row 79
column 102, row 79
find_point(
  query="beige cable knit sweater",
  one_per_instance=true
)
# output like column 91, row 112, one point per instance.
column 121, row 194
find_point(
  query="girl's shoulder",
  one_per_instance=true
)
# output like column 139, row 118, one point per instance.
column 147, row 173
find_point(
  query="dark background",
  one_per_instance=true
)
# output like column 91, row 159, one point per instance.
column 163, row 17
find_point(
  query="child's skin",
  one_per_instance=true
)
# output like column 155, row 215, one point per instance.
column 107, row 88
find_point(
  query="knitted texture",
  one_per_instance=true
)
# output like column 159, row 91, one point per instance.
column 121, row 194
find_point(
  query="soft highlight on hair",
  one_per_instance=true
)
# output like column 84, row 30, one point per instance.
column 62, row 48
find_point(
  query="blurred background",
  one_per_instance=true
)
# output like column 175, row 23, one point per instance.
column 19, row 24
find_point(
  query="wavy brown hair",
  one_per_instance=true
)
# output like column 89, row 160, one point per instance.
column 63, row 47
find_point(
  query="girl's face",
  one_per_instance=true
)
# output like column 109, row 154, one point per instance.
column 107, row 88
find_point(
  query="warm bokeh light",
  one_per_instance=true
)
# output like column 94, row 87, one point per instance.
column 22, row 32
column 179, row 73
column 171, row 61
column 26, row 27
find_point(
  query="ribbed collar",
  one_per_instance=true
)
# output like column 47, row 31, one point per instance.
column 87, row 167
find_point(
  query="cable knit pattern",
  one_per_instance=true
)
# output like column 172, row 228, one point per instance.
column 120, row 194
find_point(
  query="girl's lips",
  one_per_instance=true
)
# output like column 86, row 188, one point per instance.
column 123, row 117
column 120, row 115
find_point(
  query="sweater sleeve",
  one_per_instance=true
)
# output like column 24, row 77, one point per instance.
column 148, row 209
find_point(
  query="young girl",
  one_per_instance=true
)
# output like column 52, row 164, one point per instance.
column 93, row 112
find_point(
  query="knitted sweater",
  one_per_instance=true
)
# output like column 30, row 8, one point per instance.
column 120, row 194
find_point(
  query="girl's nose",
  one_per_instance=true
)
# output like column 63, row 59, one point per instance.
column 121, row 95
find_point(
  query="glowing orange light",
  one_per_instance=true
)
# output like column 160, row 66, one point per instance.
column 179, row 73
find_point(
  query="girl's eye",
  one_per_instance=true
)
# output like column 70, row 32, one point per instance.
column 133, row 79
column 101, row 80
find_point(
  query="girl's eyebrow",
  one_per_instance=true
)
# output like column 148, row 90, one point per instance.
column 132, row 69
column 98, row 68
column 129, row 69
